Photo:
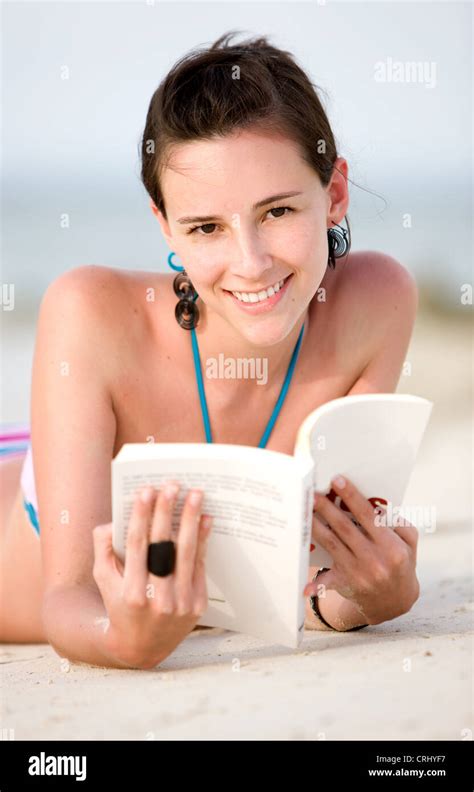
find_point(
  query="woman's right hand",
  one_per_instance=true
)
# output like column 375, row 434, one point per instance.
column 148, row 616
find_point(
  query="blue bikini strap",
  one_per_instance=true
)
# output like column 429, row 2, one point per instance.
column 277, row 407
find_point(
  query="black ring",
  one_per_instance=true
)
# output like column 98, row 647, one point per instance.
column 161, row 558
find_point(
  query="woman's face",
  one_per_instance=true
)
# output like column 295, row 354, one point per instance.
column 231, row 236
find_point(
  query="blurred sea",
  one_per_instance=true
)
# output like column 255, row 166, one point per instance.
column 66, row 223
column 110, row 223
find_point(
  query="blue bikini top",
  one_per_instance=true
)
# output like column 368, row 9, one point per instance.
column 277, row 407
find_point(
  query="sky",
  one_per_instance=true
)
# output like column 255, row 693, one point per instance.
column 71, row 145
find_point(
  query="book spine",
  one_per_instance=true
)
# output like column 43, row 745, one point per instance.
column 306, row 528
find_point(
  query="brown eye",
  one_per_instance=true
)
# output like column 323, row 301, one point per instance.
column 206, row 225
column 281, row 209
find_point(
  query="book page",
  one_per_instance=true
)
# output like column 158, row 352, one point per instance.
column 373, row 439
column 242, row 505
column 253, row 566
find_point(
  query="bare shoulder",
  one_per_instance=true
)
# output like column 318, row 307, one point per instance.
column 89, row 313
column 103, row 296
column 377, row 278
column 374, row 290
column 89, row 286
column 379, row 298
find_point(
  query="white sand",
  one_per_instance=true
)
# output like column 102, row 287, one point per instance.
column 405, row 679
column 410, row 678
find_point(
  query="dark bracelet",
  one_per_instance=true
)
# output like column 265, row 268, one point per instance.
column 315, row 607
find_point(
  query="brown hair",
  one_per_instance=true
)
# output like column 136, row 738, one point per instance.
column 215, row 91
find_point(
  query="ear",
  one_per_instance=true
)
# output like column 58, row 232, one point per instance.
column 165, row 228
column 337, row 191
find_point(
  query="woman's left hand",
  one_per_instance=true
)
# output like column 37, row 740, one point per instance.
column 373, row 564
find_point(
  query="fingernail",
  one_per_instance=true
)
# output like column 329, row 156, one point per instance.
column 146, row 494
column 171, row 490
column 339, row 481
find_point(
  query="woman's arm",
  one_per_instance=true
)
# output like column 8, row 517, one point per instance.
column 73, row 431
column 387, row 297
column 341, row 613
column 76, row 624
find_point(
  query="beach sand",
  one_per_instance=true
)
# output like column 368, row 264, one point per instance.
column 410, row 678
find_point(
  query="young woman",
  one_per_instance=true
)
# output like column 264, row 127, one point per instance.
column 244, row 177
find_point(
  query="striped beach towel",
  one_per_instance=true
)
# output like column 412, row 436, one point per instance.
column 14, row 438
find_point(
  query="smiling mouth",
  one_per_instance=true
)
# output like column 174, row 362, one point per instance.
column 255, row 297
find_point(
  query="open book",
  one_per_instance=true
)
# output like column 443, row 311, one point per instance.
column 260, row 549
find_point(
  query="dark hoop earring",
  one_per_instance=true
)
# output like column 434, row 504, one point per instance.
column 339, row 243
column 186, row 311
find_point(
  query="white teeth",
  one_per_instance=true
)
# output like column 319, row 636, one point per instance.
column 254, row 297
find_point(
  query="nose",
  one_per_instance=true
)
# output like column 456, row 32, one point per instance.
column 252, row 258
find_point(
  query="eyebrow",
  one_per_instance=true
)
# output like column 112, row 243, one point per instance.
column 263, row 202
